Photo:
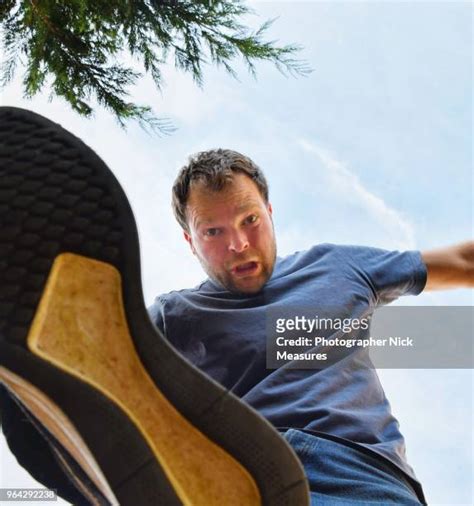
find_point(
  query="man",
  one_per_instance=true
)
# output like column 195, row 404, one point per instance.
column 94, row 401
column 336, row 418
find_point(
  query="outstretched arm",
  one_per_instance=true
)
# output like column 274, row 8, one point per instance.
column 451, row 267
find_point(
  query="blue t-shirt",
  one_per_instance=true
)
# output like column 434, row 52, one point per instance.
column 224, row 334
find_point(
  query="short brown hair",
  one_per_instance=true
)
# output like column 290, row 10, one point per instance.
column 215, row 169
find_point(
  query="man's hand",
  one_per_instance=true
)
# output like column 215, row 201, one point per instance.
column 451, row 267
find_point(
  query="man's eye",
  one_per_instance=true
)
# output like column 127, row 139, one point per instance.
column 251, row 219
column 211, row 232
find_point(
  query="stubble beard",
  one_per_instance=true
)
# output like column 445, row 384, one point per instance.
column 226, row 281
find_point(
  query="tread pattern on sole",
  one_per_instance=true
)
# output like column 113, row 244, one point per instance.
column 51, row 200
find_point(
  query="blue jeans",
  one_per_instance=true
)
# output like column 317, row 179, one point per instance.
column 339, row 475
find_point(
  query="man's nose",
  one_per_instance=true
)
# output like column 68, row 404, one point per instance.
column 238, row 242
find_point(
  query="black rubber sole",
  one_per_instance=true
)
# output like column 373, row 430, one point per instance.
column 56, row 196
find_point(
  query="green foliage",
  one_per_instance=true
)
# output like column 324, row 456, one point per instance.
column 74, row 46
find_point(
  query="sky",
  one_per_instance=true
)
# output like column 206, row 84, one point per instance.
column 374, row 147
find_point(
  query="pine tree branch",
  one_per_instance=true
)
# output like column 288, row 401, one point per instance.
column 74, row 45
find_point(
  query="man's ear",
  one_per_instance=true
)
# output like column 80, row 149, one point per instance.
column 270, row 209
column 189, row 240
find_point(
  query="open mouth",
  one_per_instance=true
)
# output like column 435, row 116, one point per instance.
column 245, row 269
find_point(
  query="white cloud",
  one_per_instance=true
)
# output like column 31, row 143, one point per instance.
column 347, row 184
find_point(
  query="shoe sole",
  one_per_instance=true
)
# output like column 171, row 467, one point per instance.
column 73, row 326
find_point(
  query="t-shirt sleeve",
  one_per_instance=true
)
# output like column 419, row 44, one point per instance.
column 389, row 274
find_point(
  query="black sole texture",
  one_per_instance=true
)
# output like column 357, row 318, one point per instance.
column 57, row 196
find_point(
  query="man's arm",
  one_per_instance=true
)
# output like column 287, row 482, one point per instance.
column 451, row 267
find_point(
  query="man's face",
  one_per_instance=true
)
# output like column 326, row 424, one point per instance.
column 231, row 233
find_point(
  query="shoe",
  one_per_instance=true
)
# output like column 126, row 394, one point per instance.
column 80, row 354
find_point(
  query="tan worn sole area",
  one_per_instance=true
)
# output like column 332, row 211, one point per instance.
column 58, row 424
column 80, row 327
